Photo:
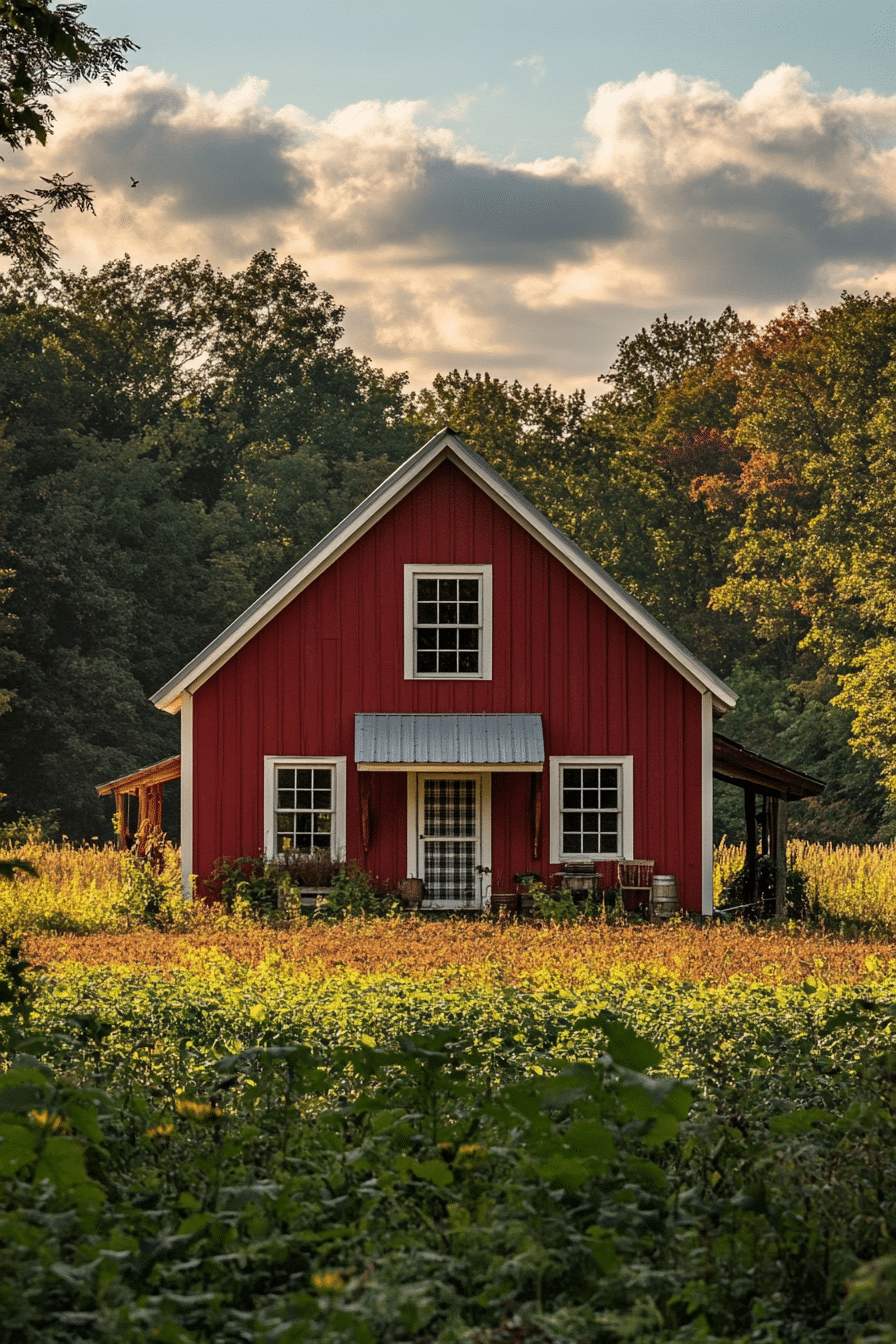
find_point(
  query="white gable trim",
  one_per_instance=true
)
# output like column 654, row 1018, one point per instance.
column 303, row 573
column 625, row 606
column 444, row 446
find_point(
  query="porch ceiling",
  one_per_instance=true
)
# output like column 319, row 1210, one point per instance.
column 495, row 742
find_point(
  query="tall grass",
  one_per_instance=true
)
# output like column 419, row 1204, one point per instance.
column 87, row 889
column 82, row 889
column 850, row 882
column 845, row 883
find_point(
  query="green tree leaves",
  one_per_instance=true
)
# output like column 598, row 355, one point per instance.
column 43, row 49
column 174, row 439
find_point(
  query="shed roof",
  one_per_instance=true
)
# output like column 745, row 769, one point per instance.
column 446, row 446
column 735, row 765
column 496, row 740
column 160, row 773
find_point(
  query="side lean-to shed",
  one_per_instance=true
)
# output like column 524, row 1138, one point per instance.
column 447, row 687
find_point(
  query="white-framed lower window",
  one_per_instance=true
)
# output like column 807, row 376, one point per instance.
column 448, row 622
column 591, row 808
column 304, row 804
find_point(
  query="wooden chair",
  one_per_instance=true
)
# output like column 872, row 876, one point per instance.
column 635, row 879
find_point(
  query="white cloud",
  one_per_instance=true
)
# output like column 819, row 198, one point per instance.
column 685, row 199
column 535, row 64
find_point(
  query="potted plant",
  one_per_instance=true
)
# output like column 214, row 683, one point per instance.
column 410, row 893
column 504, row 903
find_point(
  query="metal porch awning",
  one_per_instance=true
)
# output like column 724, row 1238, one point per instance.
column 449, row 742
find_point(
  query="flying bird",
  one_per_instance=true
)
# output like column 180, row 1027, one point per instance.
column 134, row 181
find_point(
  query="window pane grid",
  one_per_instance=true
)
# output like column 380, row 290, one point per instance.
column 447, row 626
column 589, row 812
column 304, row 818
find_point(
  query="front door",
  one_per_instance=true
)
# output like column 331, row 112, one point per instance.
column 450, row 815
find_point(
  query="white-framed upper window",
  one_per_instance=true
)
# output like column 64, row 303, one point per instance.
column 304, row 804
column 448, row 622
column 591, row 808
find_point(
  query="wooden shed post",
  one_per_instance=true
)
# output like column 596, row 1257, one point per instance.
column 142, row 799
column 779, row 833
column 364, row 790
column 154, row 799
column 750, row 824
column 121, row 809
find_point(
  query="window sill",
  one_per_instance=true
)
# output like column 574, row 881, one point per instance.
column 447, row 676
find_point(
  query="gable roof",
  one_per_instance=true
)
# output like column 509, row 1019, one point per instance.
column 446, row 446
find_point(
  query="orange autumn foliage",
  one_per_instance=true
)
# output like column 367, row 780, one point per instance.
column 524, row 954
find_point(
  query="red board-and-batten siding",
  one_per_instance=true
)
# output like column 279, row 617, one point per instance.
column 558, row 650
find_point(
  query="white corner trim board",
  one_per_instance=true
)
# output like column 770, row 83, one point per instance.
column 706, row 804
column 186, row 795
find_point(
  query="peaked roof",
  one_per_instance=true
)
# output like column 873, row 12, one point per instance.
column 446, row 446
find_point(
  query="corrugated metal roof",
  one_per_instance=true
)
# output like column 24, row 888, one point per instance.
column 449, row 739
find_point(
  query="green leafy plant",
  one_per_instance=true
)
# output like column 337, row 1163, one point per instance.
column 353, row 893
column 22, row 830
column 151, row 890
column 249, row 883
column 555, row 906
column 387, row 1158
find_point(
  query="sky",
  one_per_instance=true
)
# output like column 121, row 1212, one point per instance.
column 497, row 185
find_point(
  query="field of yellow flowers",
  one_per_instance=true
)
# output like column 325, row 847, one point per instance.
column 524, row 955
column 88, row 905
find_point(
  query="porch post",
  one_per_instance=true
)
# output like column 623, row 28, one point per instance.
column 121, row 808
column 779, row 819
column 142, row 813
column 154, row 802
column 750, row 823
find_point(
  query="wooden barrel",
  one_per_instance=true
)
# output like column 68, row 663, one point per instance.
column 663, row 898
column 504, row 903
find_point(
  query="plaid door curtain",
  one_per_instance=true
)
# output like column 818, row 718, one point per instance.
column 449, row 857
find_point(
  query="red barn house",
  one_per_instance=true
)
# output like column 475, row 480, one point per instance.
column 446, row 687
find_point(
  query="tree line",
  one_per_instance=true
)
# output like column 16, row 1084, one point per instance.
column 172, row 439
